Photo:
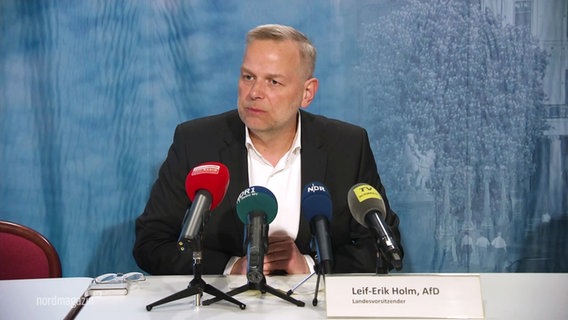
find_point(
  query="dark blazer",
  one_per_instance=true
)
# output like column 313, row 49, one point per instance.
column 334, row 153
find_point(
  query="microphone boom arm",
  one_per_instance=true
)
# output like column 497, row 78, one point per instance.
column 385, row 241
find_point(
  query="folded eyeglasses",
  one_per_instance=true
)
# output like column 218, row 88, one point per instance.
column 120, row 277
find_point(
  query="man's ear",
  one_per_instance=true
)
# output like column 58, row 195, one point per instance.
column 310, row 88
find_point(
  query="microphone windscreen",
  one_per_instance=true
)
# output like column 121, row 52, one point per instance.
column 363, row 198
column 256, row 199
column 316, row 201
column 210, row 176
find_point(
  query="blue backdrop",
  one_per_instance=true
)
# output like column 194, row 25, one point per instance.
column 466, row 113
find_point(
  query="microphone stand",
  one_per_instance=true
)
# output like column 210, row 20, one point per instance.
column 318, row 271
column 381, row 265
column 197, row 286
column 262, row 287
column 291, row 291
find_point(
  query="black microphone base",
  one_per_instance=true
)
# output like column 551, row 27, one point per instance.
column 384, row 265
column 197, row 286
column 320, row 274
column 315, row 300
column 262, row 287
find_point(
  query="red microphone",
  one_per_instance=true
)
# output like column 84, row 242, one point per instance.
column 209, row 176
column 206, row 186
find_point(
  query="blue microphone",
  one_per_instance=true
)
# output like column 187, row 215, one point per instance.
column 317, row 209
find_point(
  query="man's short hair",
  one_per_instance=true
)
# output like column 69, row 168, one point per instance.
column 279, row 32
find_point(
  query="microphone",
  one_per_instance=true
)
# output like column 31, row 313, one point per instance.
column 317, row 208
column 368, row 208
column 256, row 207
column 205, row 186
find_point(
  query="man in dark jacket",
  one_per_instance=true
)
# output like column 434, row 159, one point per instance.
column 268, row 141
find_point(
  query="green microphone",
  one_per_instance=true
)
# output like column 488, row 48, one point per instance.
column 256, row 207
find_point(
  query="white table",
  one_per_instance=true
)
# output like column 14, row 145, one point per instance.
column 505, row 296
column 40, row 298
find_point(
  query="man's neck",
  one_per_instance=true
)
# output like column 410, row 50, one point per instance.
column 272, row 147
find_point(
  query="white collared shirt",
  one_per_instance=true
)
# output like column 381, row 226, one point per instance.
column 285, row 182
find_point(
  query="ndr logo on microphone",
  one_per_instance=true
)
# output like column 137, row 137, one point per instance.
column 315, row 188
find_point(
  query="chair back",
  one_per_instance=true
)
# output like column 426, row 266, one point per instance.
column 26, row 254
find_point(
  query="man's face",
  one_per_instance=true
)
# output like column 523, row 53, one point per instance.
column 272, row 86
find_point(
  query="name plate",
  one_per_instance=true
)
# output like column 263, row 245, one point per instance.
column 404, row 296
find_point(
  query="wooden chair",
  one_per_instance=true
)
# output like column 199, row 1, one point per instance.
column 26, row 254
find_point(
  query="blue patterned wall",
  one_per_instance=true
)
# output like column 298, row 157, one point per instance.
column 90, row 92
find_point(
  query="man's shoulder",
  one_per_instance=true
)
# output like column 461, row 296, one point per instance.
column 329, row 125
column 227, row 117
column 211, row 122
column 226, row 125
